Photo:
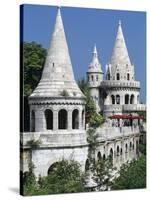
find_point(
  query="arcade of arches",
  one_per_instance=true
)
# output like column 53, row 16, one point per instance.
column 128, row 99
column 62, row 119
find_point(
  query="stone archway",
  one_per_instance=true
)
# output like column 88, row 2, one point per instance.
column 62, row 119
column 49, row 119
column 33, row 121
column 75, row 119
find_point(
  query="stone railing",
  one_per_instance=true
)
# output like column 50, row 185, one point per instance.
column 55, row 139
column 134, row 107
column 110, row 83
column 113, row 107
column 109, row 133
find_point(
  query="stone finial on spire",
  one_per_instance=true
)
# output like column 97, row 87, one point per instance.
column 95, row 64
column 119, row 23
column 120, row 52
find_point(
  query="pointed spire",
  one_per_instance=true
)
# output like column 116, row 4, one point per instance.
column 95, row 65
column 120, row 52
column 57, row 73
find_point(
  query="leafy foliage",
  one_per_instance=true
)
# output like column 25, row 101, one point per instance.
column 132, row 176
column 103, row 174
column 65, row 177
column 34, row 143
column 33, row 59
column 30, row 185
column 90, row 105
column 96, row 120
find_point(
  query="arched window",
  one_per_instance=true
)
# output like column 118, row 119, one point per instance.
column 118, row 99
column 113, row 99
column 96, row 77
column 99, row 156
column 75, row 119
column 92, row 78
column 128, row 76
column 33, row 121
column 118, row 76
column 126, row 148
column 87, row 165
column 111, row 155
column 132, row 99
column 108, row 76
column 83, row 113
column 118, row 150
column 121, row 151
column 138, row 98
column 49, row 119
column 104, row 157
column 126, row 99
column 62, row 119
column 130, row 145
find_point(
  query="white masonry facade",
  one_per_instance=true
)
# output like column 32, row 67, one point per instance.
column 57, row 108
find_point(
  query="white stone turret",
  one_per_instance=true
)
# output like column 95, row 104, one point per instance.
column 57, row 102
column 57, row 74
column 120, row 67
column 95, row 77
column 120, row 85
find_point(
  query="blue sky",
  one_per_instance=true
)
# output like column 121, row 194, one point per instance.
column 86, row 27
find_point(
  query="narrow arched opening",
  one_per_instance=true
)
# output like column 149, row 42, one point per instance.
column 83, row 116
column 111, row 155
column 126, row 148
column 32, row 121
column 128, row 76
column 118, row 150
column 138, row 99
column 113, row 99
column 118, row 99
column 126, row 99
column 132, row 99
column 87, row 165
column 75, row 119
column 49, row 119
column 130, row 145
column 118, row 76
column 104, row 157
column 62, row 119
column 99, row 156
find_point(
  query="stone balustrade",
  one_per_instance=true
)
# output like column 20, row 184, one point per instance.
column 108, row 83
column 134, row 107
column 125, row 107
column 110, row 133
column 55, row 139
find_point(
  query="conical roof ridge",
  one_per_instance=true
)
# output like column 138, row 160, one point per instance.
column 57, row 74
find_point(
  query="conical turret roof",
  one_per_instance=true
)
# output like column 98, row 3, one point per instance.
column 95, row 65
column 57, row 74
column 120, row 53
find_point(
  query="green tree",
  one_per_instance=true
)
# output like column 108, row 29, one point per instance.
column 30, row 186
column 103, row 174
column 33, row 60
column 132, row 175
column 90, row 107
column 66, row 177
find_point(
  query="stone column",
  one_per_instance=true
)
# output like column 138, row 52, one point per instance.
column 39, row 121
column 83, row 125
column 55, row 120
column 80, row 119
column 69, row 119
